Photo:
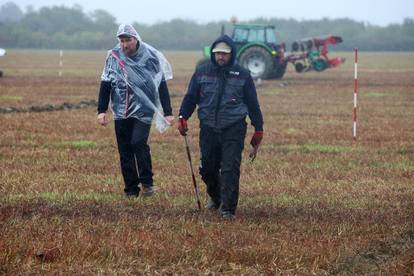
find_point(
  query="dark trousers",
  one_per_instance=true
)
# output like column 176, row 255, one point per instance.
column 220, row 163
column 134, row 151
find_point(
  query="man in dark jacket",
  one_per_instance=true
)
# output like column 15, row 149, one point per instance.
column 225, row 95
column 134, row 81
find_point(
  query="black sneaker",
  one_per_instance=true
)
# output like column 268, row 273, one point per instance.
column 211, row 205
column 131, row 195
column 147, row 191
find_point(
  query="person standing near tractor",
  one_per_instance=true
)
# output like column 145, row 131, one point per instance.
column 134, row 81
column 225, row 94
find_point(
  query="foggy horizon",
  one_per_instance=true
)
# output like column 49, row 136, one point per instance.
column 130, row 11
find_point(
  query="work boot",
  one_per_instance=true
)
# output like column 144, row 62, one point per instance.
column 226, row 215
column 131, row 191
column 212, row 205
column 147, row 191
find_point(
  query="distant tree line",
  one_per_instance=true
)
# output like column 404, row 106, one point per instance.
column 61, row 27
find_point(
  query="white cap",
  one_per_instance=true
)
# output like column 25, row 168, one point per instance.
column 222, row 47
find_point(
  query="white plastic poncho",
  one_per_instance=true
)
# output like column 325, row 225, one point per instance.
column 135, row 81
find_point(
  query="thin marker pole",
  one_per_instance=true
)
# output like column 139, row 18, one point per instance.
column 60, row 62
column 355, row 94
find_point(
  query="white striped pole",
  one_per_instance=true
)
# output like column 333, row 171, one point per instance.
column 60, row 62
column 355, row 92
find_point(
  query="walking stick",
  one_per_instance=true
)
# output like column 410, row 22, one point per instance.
column 192, row 172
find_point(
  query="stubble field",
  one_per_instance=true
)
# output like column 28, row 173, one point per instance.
column 315, row 201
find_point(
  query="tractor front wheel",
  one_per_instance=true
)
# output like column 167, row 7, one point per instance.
column 258, row 61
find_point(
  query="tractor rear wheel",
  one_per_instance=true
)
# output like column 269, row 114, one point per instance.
column 258, row 61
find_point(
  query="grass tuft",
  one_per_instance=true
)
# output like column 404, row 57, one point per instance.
column 79, row 144
column 373, row 95
column 10, row 98
column 315, row 148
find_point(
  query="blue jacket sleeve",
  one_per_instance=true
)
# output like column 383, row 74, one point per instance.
column 250, row 99
column 191, row 99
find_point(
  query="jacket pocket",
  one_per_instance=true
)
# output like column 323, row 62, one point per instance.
column 234, row 91
column 208, row 88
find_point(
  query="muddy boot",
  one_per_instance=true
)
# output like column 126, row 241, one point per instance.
column 147, row 191
column 226, row 215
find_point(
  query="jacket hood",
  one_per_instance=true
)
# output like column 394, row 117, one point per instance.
column 127, row 30
column 226, row 39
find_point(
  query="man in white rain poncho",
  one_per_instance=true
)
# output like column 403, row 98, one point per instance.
column 134, row 80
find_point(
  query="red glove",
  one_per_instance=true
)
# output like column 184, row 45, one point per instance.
column 256, row 139
column 182, row 126
column 255, row 142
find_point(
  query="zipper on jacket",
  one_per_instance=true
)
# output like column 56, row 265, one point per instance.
column 222, row 84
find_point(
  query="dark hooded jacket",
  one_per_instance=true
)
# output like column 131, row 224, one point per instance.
column 225, row 94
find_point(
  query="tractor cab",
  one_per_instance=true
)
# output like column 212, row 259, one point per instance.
column 243, row 33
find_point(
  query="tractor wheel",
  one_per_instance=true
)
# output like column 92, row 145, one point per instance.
column 279, row 70
column 299, row 67
column 319, row 65
column 258, row 61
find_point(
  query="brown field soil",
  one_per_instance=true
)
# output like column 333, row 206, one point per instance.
column 314, row 201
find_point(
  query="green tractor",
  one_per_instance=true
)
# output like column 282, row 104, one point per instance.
column 258, row 51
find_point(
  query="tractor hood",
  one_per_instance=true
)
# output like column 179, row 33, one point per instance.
column 226, row 39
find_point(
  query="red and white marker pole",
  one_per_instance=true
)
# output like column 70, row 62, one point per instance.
column 355, row 93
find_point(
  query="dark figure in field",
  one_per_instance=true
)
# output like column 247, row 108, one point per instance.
column 225, row 94
column 134, row 80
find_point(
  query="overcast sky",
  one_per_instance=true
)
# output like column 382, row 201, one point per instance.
column 378, row 12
